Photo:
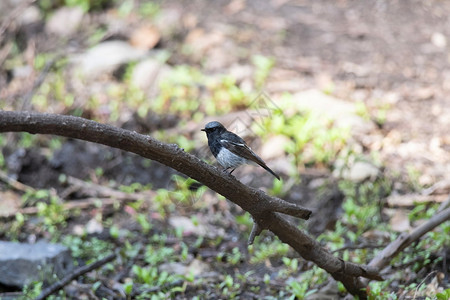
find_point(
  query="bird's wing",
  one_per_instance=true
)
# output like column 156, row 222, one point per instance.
column 241, row 149
column 237, row 145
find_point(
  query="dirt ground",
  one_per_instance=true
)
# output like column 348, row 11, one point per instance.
column 391, row 53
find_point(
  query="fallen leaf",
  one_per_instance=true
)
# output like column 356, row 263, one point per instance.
column 399, row 220
column 412, row 199
column 145, row 37
column 9, row 203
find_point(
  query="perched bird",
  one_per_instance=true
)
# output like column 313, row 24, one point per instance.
column 230, row 150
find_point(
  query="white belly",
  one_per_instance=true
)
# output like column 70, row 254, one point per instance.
column 228, row 159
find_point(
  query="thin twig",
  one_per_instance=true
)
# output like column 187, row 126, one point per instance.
column 70, row 205
column 119, row 276
column 74, row 274
column 154, row 289
column 15, row 184
column 13, row 15
column 105, row 195
column 422, row 282
column 256, row 230
column 411, row 262
column 360, row 246
column 404, row 240
column 291, row 209
column 97, row 190
column 26, row 100
column 444, row 205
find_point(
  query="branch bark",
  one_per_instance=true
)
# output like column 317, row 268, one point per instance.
column 261, row 206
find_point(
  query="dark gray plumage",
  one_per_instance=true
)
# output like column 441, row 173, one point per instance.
column 229, row 149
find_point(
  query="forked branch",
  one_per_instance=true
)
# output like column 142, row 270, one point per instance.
column 262, row 207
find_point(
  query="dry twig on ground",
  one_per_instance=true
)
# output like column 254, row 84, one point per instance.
column 74, row 274
column 405, row 239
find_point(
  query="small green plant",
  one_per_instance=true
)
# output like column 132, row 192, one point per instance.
column 336, row 237
column 301, row 287
column 277, row 188
column 2, row 158
column 381, row 113
column 311, row 139
column 163, row 203
column 299, row 290
column 32, row 291
column 263, row 66
column 55, row 143
column 229, row 287
column 233, row 258
column 151, row 277
column 361, row 205
column 413, row 177
column 263, row 251
column 134, row 187
column 15, row 228
column 53, row 214
column 149, row 9
column 362, row 110
column 144, row 223
column 377, row 290
column 114, row 232
column 244, row 219
column 128, row 287
column 27, row 140
column 291, row 263
column 155, row 255
column 183, row 195
column 125, row 8
column 445, row 295
column 89, row 249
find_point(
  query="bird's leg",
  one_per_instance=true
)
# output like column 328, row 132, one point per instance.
column 226, row 169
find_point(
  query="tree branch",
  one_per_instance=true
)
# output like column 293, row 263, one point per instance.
column 404, row 240
column 260, row 205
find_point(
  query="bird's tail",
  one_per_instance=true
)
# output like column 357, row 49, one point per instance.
column 270, row 171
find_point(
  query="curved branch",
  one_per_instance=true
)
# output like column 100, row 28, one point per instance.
column 260, row 205
column 405, row 239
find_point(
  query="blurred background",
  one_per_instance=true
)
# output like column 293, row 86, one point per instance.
column 347, row 100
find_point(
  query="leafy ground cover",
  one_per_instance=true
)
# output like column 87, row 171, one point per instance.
column 250, row 65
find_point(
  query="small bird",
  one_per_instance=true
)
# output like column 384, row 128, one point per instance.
column 230, row 150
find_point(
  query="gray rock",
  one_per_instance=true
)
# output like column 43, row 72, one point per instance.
column 198, row 267
column 148, row 74
column 22, row 71
column 106, row 57
column 187, row 225
column 358, row 172
column 274, row 147
column 342, row 112
column 65, row 21
column 21, row 264
column 30, row 15
column 7, row 6
column 174, row 268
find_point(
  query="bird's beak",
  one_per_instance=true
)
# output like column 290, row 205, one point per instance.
column 203, row 129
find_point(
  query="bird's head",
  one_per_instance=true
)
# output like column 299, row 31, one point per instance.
column 213, row 128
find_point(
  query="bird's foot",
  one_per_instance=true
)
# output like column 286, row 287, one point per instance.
column 226, row 170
